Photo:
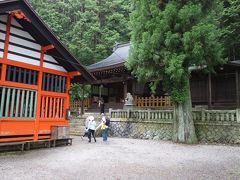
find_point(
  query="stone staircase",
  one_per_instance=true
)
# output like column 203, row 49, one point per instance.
column 77, row 124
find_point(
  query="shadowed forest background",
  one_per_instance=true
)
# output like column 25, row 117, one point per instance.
column 89, row 28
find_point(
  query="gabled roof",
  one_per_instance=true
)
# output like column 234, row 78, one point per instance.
column 40, row 31
column 116, row 59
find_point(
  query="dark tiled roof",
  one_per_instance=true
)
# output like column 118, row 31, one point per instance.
column 119, row 56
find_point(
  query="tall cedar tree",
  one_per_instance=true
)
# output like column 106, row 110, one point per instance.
column 169, row 37
column 88, row 27
column 231, row 25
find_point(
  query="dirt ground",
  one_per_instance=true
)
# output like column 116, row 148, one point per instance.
column 121, row 159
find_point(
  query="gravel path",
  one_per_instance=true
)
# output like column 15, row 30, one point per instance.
column 121, row 159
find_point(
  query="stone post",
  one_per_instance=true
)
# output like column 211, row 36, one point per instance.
column 128, row 113
column 238, row 115
column 110, row 112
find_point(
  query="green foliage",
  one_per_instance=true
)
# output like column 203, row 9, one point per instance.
column 80, row 91
column 168, row 37
column 230, row 22
column 88, row 27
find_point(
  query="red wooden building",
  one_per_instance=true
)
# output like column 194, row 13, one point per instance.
column 35, row 74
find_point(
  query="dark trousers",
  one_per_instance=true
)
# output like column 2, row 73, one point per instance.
column 91, row 133
column 105, row 134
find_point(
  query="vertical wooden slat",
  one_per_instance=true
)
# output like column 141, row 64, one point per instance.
column 34, row 77
column 2, row 101
column 7, row 102
column 61, row 107
column 22, row 103
column 52, row 82
column 8, row 72
column 48, row 80
column 54, row 107
column 46, row 108
column 44, row 81
column 29, row 76
column 14, row 74
column 25, row 76
column 60, row 83
column 42, row 106
column 56, row 84
column 64, row 84
column 19, row 75
column 26, row 104
column 31, row 105
column 57, row 113
column 35, row 105
column 50, row 108
column 17, row 103
column 12, row 102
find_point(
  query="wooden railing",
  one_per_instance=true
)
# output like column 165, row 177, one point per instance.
column 52, row 107
column 167, row 115
column 17, row 103
column 152, row 101
column 77, row 104
column 215, row 115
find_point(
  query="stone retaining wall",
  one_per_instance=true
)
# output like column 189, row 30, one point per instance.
column 227, row 133
column 218, row 133
column 207, row 132
column 141, row 130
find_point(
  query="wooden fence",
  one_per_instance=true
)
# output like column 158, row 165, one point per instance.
column 76, row 105
column 163, row 115
column 152, row 101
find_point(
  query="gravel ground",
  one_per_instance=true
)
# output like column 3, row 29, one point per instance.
column 121, row 159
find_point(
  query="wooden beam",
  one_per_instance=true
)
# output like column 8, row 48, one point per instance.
column 48, row 47
column 19, row 15
column 113, row 80
column 74, row 73
column 209, row 91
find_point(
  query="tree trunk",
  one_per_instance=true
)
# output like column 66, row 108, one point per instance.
column 183, row 126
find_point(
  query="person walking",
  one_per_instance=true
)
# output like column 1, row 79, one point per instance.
column 104, row 128
column 86, row 127
column 91, row 129
column 102, row 106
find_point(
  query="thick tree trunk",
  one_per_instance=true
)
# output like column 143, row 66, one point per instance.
column 183, row 126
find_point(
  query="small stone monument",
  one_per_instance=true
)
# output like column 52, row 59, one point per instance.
column 128, row 102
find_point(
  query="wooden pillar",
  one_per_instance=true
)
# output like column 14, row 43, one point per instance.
column 39, row 95
column 82, row 105
column 125, row 89
column 237, row 89
column 209, row 91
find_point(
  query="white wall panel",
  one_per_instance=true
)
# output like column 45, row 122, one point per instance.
column 24, row 51
column 1, row 54
column 21, row 33
column 53, row 66
column 2, row 27
column 3, row 18
column 2, row 36
column 49, row 58
column 1, row 45
column 23, row 59
column 25, row 43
